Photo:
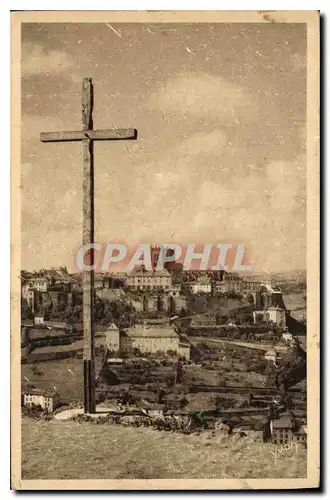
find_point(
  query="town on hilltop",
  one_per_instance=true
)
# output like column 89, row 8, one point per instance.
column 177, row 350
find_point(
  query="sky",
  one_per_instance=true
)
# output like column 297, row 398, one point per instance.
column 220, row 111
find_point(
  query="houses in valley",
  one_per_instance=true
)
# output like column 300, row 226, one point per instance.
column 286, row 429
column 48, row 399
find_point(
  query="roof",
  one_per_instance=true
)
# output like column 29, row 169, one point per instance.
column 48, row 393
column 283, row 423
column 35, row 278
column 142, row 271
column 103, row 329
column 34, row 391
column 112, row 326
column 151, row 332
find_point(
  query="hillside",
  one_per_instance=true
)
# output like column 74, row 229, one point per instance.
column 69, row 450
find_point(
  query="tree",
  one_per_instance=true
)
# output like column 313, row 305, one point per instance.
column 26, row 311
column 172, row 306
column 259, row 317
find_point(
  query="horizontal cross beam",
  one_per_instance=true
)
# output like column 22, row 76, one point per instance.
column 94, row 135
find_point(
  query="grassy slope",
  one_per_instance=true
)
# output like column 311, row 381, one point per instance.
column 295, row 302
column 68, row 450
column 65, row 374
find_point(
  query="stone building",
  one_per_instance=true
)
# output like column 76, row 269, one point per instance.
column 201, row 287
column 275, row 315
column 47, row 399
column 151, row 339
column 282, row 430
column 142, row 279
column 112, row 338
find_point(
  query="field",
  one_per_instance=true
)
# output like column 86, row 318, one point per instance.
column 296, row 303
column 231, row 368
column 65, row 374
column 68, row 450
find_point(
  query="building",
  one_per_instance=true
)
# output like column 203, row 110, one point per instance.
column 201, row 287
column 281, row 430
column 142, row 279
column 39, row 319
column 274, row 315
column 48, row 399
column 112, row 338
column 28, row 295
column 277, row 315
column 220, row 287
column 107, row 337
column 287, row 336
column 231, row 277
column 271, row 355
column 57, row 294
column 175, row 290
column 301, row 435
column 249, row 285
column 115, row 361
column 152, row 339
column 40, row 284
column 103, row 281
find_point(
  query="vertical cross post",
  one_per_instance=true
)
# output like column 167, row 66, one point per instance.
column 87, row 135
column 88, row 239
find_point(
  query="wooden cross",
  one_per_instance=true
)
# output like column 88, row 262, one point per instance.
column 87, row 135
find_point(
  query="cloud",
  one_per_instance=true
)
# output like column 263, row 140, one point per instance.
column 203, row 142
column 265, row 209
column 37, row 61
column 204, row 96
column 298, row 62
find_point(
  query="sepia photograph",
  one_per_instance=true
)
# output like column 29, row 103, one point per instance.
column 165, row 250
